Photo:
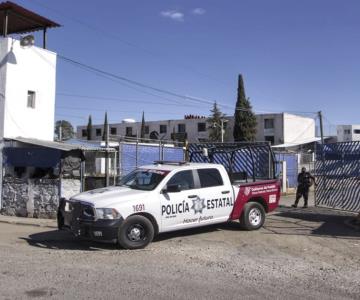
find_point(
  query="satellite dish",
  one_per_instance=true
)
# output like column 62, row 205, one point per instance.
column 27, row 41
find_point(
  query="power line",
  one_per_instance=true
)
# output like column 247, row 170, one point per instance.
column 121, row 100
column 116, row 111
column 106, row 33
column 136, row 83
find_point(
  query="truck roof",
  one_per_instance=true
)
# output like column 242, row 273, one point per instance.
column 169, row 166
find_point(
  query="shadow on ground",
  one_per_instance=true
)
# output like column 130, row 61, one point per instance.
column 63, row 240
column 314, row 221
column 284, row 221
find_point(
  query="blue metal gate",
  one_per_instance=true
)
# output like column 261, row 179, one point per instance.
column 337, row 169
column 291, row 167
column 132, row 155
column 249, row 160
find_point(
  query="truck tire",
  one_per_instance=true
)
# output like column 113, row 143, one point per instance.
column 253, row 216
column 136, row 232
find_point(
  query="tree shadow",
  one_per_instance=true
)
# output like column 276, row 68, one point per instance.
column 316, row 221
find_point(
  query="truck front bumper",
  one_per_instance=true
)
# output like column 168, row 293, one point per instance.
column 80, row 219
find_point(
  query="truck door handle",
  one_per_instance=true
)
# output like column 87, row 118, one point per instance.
column 225, row 192
column 192, row 196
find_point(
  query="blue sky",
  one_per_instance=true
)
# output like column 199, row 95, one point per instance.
column 294, row 55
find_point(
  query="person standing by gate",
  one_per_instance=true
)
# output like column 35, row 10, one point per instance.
column 305, row 181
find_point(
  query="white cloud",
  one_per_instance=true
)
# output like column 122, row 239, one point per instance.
column 173, row 14
column 198, row 11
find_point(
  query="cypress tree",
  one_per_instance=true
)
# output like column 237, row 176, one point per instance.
column 89, row 128
column 142, row 129
column 244, row 118
column 106, row 127
column 215, row 124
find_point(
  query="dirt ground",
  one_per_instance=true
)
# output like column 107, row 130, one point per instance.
column 300, row 253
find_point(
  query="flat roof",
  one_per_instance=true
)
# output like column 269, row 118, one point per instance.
column 22, row 20
column 63, row 146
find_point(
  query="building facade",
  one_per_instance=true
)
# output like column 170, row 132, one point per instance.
column 348, row 133
column 27, row 91
column 275, row 128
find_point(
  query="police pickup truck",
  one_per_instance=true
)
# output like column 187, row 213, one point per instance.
column 166, row 197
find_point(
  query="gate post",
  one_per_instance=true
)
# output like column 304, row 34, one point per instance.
column 284, row 176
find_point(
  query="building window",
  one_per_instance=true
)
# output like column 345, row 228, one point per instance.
column 98, row 131
column 269, row 123
column 147, row 129
column 356, row 131
column 202, row 127
column 128, row 131
column 347, row 131
column 84, row 133
column 31, row 99
column 181, row 128
column 113, row 131
column 270, row 139
column 163, row 128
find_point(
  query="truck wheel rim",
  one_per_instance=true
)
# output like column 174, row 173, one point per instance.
column 136, row 233
column 255, row 217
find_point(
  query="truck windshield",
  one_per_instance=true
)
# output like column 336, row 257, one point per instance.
column 145, row 180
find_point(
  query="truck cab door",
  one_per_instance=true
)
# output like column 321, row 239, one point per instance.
column 176, row 200
column 218, row 195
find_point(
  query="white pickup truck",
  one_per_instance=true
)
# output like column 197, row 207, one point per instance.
column 166, row 197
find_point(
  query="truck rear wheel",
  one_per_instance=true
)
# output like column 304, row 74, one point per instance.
column 253, row 216
column 136, row 232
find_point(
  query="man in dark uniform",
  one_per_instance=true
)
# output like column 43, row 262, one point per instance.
column 305, row 180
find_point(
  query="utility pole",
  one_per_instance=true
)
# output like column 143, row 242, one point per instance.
column 60, row 132
column 321, row 127
column 107, row 175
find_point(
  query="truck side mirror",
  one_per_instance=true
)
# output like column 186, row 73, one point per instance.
column 172, row 188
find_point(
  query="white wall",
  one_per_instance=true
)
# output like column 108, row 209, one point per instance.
column 23, row 70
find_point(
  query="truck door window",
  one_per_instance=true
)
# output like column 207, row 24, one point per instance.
column 183, row 178
column 210, row 177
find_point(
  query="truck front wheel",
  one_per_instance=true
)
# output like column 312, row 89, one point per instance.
column 136, row 232
column 253, row 216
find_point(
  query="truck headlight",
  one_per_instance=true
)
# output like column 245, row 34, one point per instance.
column 107, row 213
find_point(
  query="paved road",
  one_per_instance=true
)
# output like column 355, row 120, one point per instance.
column 298, row 254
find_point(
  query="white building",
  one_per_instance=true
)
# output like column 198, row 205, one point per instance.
column 27, row 76
column 348, row 133
column 281, row 128
column 27, row 91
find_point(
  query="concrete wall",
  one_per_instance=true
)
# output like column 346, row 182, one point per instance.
column 23, row 70
column 30, row 198
column 36, row 198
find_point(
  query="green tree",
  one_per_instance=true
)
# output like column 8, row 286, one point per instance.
column 106, row 127
column 244, row 119
column 142, row 129
column 64, row 130
column 214, row 121
column 89, row 128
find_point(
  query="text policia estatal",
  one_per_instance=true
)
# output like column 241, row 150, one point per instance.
column 184, row 206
